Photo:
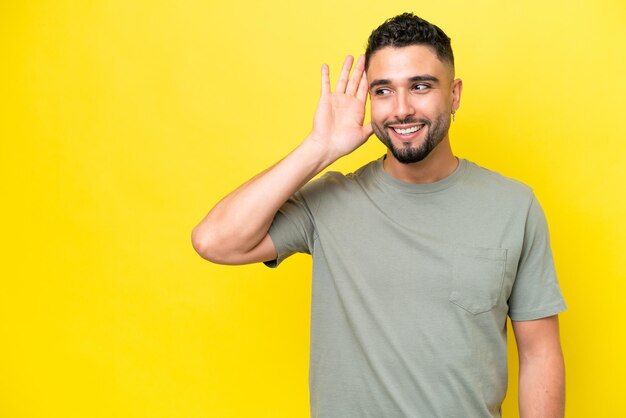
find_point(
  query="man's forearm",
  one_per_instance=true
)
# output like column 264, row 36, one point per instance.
column 241, row 220
column 542, row 386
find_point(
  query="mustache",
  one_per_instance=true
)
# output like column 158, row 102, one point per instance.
column 407, row 121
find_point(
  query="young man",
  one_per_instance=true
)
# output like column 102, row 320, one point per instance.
column 418, row 257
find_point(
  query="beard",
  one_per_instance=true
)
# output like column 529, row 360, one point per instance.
column 408, row 153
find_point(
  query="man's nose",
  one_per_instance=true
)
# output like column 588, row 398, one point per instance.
column 404, row 107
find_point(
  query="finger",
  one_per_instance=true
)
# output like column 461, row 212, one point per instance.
column 343, row 77
column 325, row 80
column 355, row 79
column 361, row 93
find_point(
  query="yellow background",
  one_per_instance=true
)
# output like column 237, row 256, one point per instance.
column 123, row 122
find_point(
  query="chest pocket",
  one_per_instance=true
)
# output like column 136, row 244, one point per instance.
column 478, row 275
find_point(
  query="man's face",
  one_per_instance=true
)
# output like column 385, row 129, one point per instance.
column 412, row 96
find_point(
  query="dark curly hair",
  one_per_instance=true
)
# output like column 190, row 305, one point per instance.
column 407, row 29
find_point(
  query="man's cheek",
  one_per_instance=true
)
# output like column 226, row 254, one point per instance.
column 377, row 112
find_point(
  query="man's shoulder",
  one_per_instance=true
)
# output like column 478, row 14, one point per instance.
column 337, row 179
column 494, row 181
column 360, row 173
column 336, row 188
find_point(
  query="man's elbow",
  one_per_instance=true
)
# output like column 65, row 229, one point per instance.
column 218, row 248
column 206, row 245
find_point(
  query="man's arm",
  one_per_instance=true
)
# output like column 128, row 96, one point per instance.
column 235, row 231
column 541, row 368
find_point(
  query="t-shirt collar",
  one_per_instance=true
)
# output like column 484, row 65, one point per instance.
column 436, row 186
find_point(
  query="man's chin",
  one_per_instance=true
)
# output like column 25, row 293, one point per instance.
column 405, row 153
column 408, row 160
column 409, row 155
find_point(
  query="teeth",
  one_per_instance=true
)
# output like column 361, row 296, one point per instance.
column 408, row 130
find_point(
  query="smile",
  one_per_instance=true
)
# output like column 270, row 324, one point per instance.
column 406, row 132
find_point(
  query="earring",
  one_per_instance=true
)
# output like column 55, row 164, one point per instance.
column 453, row 116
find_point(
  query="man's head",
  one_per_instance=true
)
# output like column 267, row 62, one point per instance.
column 410, row 71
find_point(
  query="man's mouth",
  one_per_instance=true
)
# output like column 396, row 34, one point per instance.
column 407, row 132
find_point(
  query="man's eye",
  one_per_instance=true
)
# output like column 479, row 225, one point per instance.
column 420, row 87
column 382, row 92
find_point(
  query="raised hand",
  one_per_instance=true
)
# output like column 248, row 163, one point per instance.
column 235, row 231
column 338, row 122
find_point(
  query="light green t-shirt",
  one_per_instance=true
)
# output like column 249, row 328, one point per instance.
column 412, row 284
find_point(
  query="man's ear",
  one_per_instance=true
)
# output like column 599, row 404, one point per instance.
column 455, row 90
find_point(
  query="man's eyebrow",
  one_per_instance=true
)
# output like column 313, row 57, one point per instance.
column 425, row 77
column 379, row 82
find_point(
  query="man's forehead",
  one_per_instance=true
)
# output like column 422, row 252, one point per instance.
column 406, row 62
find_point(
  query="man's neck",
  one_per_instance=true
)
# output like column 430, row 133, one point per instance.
column 438, row 165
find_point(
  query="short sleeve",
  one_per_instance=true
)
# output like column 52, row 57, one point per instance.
column 536, row 292
column 293, row 229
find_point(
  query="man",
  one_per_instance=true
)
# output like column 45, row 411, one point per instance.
column 418, row 257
